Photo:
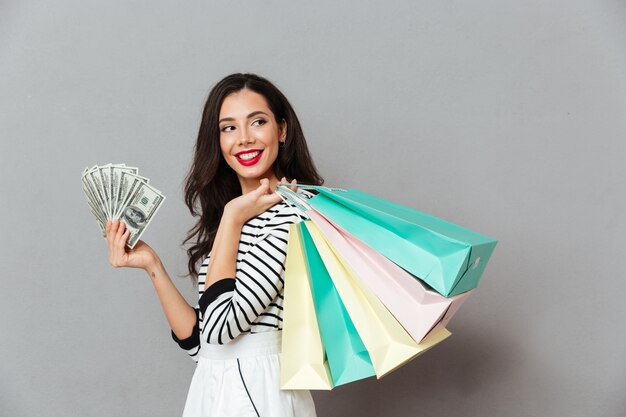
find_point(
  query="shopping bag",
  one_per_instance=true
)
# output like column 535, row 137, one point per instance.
column 419, row 310
column 303, row 360
column 348, row 358
column 388, row 344
column 448, row 257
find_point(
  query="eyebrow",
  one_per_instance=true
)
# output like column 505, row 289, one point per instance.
column 230, row 119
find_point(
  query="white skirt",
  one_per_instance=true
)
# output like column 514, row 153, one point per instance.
column 242, row 379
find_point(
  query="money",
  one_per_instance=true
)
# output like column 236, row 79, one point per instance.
column 118, row 192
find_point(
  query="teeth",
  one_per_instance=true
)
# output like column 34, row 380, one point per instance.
column 248, row 156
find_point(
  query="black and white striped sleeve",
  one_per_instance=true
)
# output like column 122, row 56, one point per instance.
column 192, row 343
column 235, row 305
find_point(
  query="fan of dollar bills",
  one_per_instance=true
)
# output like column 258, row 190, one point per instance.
column 116, row 191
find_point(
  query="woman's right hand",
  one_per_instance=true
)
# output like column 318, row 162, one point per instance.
column 141, row 256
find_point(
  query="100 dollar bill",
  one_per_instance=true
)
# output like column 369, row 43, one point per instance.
column 116, row 191
column 140, row 209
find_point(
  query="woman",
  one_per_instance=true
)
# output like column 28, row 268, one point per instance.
column 248, row 138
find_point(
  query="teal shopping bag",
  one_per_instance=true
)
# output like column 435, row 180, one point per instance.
column 348, row 358
column 446, row 256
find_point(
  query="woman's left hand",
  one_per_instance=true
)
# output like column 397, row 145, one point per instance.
column 253, row 203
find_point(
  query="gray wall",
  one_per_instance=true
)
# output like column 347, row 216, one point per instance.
column 504, row 116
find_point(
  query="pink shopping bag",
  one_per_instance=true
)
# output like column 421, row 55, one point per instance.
column 420, row 311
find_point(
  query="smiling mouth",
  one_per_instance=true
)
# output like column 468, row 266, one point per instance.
column 249, row 158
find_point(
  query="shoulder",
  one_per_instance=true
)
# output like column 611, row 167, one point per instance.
column 280, row 214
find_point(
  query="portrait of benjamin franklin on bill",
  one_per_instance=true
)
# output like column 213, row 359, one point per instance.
column 134, row 217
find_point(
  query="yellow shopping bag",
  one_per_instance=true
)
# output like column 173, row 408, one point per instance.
column 303, row 360
column 386, row 341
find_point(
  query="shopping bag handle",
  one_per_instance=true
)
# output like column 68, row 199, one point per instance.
column 291, row 197
column 288, row 195
column 309, row 187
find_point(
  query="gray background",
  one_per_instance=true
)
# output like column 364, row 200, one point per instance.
column 504, row 116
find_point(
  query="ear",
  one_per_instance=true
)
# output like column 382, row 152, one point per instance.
column 282, row 130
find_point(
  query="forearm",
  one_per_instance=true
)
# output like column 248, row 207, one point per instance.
column 179, row 314
column 224, row 252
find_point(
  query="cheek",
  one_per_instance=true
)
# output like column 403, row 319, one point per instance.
column 224, row 146
column 270, row 137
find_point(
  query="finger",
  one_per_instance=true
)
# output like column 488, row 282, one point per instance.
column 264, row 186
column 293, row 181
column 271, row 199
column 107, row 232
column 282, row 181
column 117, row 252
column 115, row 224
column 111, row 232
column 112, row 238
column 119, row 248
column 120, row 230
column 109, row 229
column 124, row 239
column 109, row 236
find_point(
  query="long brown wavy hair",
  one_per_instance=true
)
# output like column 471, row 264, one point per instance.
column 211, row 183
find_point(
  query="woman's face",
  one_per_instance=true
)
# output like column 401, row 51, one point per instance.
column 249, row 137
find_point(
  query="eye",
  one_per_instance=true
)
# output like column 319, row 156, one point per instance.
column 260, row 122
column 227, row 128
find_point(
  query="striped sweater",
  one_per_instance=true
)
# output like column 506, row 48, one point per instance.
column 252, row 302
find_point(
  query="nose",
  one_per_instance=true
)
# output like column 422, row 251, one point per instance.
column 246, row 137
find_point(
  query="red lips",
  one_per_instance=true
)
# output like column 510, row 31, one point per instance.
column 248, row 162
